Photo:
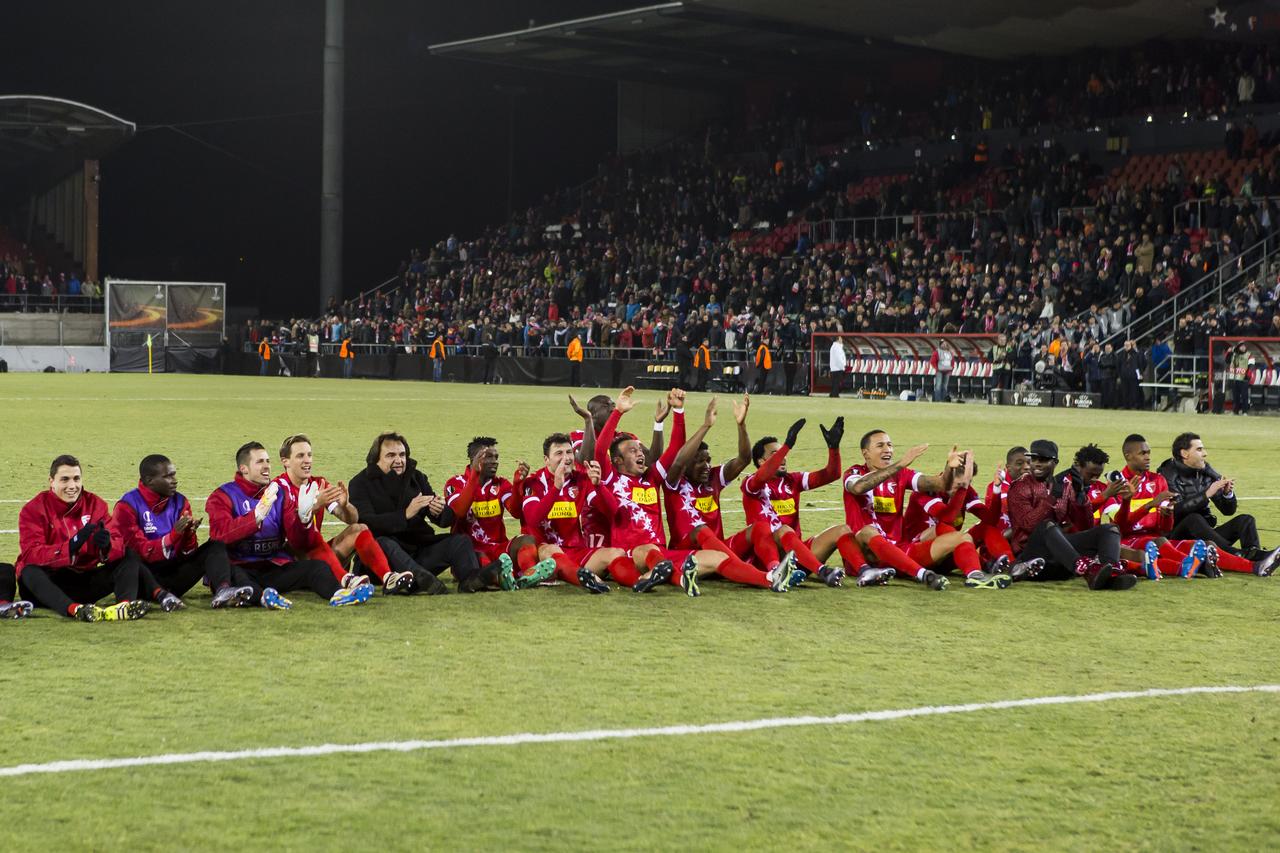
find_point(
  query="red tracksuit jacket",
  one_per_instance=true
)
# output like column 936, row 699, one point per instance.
column 46, row 525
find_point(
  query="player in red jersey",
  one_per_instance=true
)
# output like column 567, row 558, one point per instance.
column 478, row 498
column 928, row 516
column 595, row 525
column 691, row 493
column 1144, row 514
column 874, row 494
column 556, row 499
column 629, row 487
column 772, row 495
column 310, row 496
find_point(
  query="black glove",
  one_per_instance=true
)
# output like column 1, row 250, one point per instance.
column 794, row 433
column 102, row 539
column 833, row 435
column 82, row 536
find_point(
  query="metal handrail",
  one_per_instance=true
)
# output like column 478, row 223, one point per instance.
column 913, row 220
column 1199, row 203
column 18, row 303
column 1242, row 273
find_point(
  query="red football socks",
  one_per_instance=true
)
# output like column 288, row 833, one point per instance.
column 708, row 541
column 527, row 558
column 371, row 555
column 993, row 542
column 734, row 569
column 889, row 555
column 804, row 556
column 325, row 553
column 850, row 552
column 566, row 569
column 766, row 550
column 623, row 570
column 965, row 556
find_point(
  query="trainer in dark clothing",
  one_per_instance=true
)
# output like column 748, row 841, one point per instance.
column 1041, row 506
column 397, row 503
column 1193, row 517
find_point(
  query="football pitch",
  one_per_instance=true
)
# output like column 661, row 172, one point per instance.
column 630, row 691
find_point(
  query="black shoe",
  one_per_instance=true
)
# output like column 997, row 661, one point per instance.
column 832, row 576
column 661, row 574
column 1266, row 564
column 591, row 582
column 934, row 581
column 1124, row 581
column 429, row 583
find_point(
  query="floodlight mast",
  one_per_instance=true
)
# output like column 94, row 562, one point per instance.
column 331, row 155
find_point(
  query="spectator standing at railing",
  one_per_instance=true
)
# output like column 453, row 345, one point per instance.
column 437, row 359
column 943, row 362
column 574, row 354
column 348, row 357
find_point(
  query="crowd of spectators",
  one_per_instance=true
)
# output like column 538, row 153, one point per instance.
column 655, row 256
column 29, row 284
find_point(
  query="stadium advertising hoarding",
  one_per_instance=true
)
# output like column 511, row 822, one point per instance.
column 175, row 315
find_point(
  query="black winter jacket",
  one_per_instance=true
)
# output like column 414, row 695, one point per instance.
column 381, row 500
column 1189, row 485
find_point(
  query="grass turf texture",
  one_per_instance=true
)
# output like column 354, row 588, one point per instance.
column 1167, row 773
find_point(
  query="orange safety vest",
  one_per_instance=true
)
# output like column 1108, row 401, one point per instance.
column 763, row 358
column 264, row 350
column 575, row 350
column 345, row 351
column 437, row 348
column 702, row 358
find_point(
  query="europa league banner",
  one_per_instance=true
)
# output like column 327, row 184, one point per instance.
column 197, row 313
column 137, row 309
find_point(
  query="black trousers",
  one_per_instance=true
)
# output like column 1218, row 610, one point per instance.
column 1130, row 393
column 300, row 574
column 453, row 552
column 700, row 378
column 575, row 373
column 1241, row 528
column 8, row 583
column 837, row 383
column 1239, row 396
column 1060, row 550
column 180, row 574
column 58, row 589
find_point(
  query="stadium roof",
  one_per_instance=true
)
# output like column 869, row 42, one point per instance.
column 40, row 134
column 714, row 41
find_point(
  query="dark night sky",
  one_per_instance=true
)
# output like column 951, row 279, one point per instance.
column 426, row 140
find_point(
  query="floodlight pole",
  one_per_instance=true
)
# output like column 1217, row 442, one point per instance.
column 331, row 155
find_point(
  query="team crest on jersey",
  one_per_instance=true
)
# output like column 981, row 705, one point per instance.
column 84, row 519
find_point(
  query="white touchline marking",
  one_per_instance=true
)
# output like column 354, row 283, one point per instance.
column 79, row 764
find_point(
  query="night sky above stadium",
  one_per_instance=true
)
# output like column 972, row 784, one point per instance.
column 426, row 142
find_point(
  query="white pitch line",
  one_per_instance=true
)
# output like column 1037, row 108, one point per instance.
column 82, row 764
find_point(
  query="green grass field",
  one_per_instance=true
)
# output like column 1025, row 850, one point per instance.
column 1166, row 773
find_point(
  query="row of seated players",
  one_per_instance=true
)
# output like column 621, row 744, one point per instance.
column 594, row 512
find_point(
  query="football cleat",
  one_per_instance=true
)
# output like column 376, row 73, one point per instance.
column 398, row 583
column 273, row 600
column 125, row 611
column 351, row 581
column 231, row 596
column 934, row 581
column 661, row 574
column 506, row 573
column 689, row 577
column 1193, row 561
column 1266, row 564
column 869, row 576
column 541, row 571
column 352, row 595
column 170, row 602
column 1026, row 570
column 782, row 578
column 591, row 582
column 16, row 609
column 982, row 580
column 1210, row 568
column 998, row 566
column 832, row 576
column 1151, row 553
